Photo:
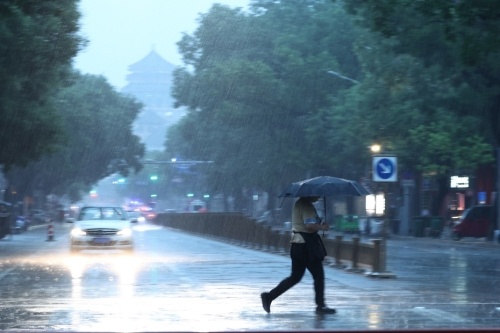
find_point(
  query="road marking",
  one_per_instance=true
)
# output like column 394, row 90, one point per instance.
column 439, row 315
column 6, row 272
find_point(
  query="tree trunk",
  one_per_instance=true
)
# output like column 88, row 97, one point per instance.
column 439, row 200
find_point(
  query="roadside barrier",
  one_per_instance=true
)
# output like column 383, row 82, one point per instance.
column 50, row 231
column 240, row 230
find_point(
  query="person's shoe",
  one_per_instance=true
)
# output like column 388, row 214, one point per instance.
column 325, row 310
column 266, row 302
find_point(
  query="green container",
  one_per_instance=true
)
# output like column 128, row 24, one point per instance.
column 347, row 223
column 431, row 224
column 437, row 224
column 418, row 223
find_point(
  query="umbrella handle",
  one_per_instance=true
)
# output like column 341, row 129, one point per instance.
column 324, row 213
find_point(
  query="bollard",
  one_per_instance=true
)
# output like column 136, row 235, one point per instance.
column 379, row 261
column 355, row 250
column 376, row 256
column 338, row 252
column 50, row 231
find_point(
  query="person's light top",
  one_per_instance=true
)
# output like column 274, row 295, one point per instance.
column 303, row 213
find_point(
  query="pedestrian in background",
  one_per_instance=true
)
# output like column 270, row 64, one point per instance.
column 307, row 252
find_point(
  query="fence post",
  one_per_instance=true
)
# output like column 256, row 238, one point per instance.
column 338, row 252
column 355, row 256
column 378, row 257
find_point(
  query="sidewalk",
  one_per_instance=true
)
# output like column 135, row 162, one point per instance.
column 438, row 284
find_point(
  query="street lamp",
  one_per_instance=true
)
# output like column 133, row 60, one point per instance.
column 375, row 200
column 342, row 76
column 375, row 148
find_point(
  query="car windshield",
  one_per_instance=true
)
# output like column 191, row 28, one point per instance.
column 292, row 165
column 101, row 213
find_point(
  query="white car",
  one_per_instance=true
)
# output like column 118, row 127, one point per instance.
column 102, row 228
column 135, row 215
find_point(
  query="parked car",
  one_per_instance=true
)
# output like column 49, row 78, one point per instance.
column 270, row 218
column 477, row 221
column 38, row 216
column 197, row 206
column 5, row 218
column 102, row 228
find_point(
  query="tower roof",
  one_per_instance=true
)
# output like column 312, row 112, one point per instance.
column 153, row 62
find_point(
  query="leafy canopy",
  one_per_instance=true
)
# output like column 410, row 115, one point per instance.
column 97, row 124
column 38, row 40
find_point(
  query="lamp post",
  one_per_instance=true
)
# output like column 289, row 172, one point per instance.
column 342, row 76
column 384, row 169
column 375, row 149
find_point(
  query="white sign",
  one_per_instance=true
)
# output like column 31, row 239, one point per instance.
column 385, row 169
column 459, row 182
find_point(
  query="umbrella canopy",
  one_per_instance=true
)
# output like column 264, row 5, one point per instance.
column 324, row 186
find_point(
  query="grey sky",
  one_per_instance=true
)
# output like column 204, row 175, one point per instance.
column 122, row 32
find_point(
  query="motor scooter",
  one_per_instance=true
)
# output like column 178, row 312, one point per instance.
column 21, row 224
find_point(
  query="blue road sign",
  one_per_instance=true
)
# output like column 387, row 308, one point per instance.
column 385, row 169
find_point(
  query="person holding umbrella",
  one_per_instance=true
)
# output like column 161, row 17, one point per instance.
column 306, row 252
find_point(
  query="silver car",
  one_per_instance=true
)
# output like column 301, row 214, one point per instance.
column 102, row 228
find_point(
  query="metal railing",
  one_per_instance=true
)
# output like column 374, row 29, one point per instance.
column 240, row 230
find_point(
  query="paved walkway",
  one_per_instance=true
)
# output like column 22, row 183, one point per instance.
column 436, row 284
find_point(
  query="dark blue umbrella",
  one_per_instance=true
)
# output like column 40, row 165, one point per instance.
column 324, row 186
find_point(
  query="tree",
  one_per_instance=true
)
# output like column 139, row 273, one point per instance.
column 98, row 141
column 461, row 36
column 426, row 83
column 252, row 83
column 38, row 40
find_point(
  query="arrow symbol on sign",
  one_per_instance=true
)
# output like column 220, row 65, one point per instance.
column 385, row 168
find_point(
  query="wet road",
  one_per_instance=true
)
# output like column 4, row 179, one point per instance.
column 180, row 282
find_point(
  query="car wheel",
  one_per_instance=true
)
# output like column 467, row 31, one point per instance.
column 455, row 236
column 73, row 250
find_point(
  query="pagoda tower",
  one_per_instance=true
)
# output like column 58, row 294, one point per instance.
column 150, row 82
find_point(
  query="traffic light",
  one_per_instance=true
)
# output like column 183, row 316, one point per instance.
column 153, row 177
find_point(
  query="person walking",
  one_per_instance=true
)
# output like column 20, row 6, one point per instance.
column 307, row 252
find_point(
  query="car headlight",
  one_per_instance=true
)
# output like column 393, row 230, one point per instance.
column 125, row 232
column 77, row 232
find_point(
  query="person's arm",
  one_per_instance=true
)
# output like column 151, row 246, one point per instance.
column 307, row 213
column 311, row 221
column 314, row 227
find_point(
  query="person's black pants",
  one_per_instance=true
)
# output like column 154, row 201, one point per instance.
column 301, row 262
